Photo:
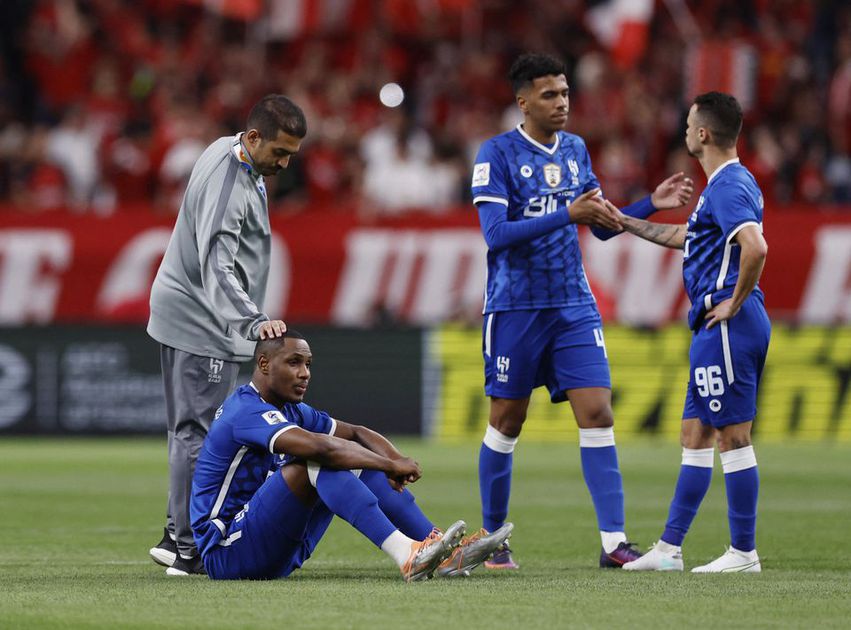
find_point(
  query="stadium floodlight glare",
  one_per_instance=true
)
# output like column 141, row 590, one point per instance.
column 391, row 95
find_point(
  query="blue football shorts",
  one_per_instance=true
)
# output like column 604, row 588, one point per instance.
column 562, row 348
column 726, row 364
column 272, row 537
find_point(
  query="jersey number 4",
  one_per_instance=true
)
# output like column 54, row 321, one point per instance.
column 709, row 381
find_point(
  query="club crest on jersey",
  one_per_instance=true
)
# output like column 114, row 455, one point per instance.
column 573, row 167
column 552, row 174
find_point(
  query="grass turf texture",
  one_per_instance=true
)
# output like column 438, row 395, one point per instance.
column 79, row 516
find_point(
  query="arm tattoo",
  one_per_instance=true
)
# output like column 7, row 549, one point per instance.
column 665, row 234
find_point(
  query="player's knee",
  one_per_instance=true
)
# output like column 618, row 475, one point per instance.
column 296, row 477
column 597, row 417
column 732, row 437
column 695, row 438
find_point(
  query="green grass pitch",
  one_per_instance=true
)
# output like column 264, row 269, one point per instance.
column 79, row 516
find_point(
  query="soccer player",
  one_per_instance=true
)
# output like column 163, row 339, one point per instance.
column 532, row 186
column 723, row 256
column 207, row 297
column 274, row 471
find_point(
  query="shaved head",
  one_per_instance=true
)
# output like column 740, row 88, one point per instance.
column 269, row 347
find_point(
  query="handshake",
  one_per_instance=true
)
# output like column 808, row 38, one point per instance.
column 590, row 208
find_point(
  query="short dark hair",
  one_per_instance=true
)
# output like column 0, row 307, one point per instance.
column 274, row 113
column 270, row 346
column 530, row 66
column 723, row 116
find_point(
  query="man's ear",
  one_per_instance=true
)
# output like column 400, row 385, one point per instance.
column 263, row 364
column 522, row 104
column 252, row 137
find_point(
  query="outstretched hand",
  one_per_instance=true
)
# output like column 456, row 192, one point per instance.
column 590, row 209
column 673, row 192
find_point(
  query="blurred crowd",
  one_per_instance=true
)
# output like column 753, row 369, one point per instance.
column 106, row 104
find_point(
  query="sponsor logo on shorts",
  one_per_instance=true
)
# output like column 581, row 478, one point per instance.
column 502, row 364
column 715, row 405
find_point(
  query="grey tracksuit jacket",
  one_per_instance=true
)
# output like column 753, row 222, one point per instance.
column 207, row 297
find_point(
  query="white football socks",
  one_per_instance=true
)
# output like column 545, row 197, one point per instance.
column 398, row 547
column 611, row 540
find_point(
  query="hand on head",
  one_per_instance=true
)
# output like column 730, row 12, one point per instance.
column 272, row 328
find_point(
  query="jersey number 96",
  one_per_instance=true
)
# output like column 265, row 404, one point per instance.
column 709, row 381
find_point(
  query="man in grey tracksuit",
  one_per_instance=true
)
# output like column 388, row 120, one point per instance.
column 207, row 298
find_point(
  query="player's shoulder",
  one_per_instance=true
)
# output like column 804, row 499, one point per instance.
column 570, row 140
column 499, row 142
column 735, row 180
column 245, row 402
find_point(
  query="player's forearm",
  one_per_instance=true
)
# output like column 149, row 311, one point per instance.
column 375, row 442
column 751, row 263
column 347, row 454
column 500, row 233
column 641, row 209
column 665, row 234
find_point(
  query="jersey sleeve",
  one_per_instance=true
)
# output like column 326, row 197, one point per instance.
column 261, row 427
column 490, row 176
column 734, row 207
column 222, row 208
column 313, row 420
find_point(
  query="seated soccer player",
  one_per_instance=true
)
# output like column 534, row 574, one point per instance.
column 274, row 471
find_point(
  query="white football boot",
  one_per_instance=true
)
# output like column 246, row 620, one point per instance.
column 661, row 557
column 733, row 561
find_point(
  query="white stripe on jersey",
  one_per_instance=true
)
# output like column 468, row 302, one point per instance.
column 275, row 437
column 504, row 202
column 550, row 150
column 223, row 492
column 728, row 248
column 231, row 539
column 488, row 335
column 728, row 357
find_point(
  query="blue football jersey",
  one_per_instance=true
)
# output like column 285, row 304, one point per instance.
column 533, row 180
column 731, row 200
column 237, row 457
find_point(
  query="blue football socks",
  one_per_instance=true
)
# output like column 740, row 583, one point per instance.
column 351, row 500
column 742, row 480
column 692, row 485
column 399, row 507
column 495, row 461
column 603, row 476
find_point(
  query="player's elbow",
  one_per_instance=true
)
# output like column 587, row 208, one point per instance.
column 757, row 250
column 493, row 242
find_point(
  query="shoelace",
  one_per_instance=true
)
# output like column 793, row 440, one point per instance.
column 473, row 537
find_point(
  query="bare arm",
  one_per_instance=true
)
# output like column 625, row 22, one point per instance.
column 665, row 234
column 369, row 439
column 751, row 262
column 342, row 453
